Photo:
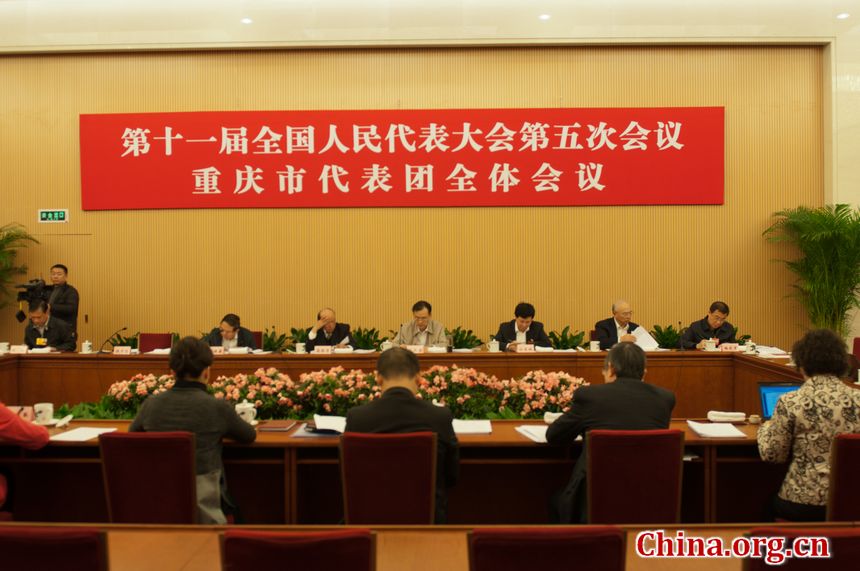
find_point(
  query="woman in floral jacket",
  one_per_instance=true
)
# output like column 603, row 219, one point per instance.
column 804, row 424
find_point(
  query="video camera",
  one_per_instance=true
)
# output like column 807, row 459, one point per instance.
column 33, row 290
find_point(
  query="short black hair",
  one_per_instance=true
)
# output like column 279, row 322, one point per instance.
column 189, row 358
column 419, row 305
column 60, row 267
column 232, row 320
column 524, row 310
column 821, row 352
column 720, row 306
column 38, row 305
column 397, row 362
column 628, row 360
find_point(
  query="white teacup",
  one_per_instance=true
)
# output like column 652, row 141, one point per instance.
column 87, row 347
column 385, row 345
column 493, row 346
column 710, row 345
column 4, row 347
column 44, row 412
column 594, row 346
column 247, row 411
column 300, row 348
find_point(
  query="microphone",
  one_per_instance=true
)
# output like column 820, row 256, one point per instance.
column 111, row 337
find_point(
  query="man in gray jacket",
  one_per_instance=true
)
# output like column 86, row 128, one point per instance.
column 422, row 330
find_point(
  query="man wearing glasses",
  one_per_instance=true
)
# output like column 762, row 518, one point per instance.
column 616, row 329
column 713, row 327
column 422, row 330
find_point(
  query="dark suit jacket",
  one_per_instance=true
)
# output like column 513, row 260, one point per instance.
column 607, row 333
column 398, row 411
column 508, row 334
column 244, row 337
column 341, row 332
column 626, row 404
column 58, row 333
column 65, row 306
column 699, row 330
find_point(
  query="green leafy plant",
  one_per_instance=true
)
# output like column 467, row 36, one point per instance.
column 367, row 338
column 566, row 339
column 174, row 338
column 828, row 269
column 13, row 237
column 668, row 337
column 462, row 338
column 297, row 335
column 273, row 341
column 742, row 339
column 120, row 341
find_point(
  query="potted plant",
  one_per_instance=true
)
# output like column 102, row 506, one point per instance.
column 462, row 338
column 12, row 238
column 566, row 340
column 667, row 337
column 828, row 268
column 273, row 341
column 366, row 338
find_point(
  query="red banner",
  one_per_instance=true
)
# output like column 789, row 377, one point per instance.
column 432, row 157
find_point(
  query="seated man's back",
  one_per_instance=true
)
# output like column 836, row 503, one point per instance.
column 399, row 411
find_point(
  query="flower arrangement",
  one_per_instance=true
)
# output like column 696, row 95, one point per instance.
column 468, row 393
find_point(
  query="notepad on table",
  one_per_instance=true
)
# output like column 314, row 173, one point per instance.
column 534, row 432
column 472, row 426
column 718, row 430
column 644, row 339
column 333, row 423
column 82, row 434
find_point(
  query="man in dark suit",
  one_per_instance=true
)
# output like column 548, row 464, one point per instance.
column 523, row 329
column 399, row 411
column 617, row 328
column 624, row 402
column 45, row 331
column 327, row 331
column 712, row 326
column 63, row 299
column 231, row 334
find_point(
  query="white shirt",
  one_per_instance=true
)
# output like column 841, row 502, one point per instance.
column 521, row 335
column 230, row 343
column 421, row 337
column 622, row 330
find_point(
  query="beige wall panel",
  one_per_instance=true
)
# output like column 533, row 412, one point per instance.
column 182, row 270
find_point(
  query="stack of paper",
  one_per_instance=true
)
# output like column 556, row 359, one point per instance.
column 644, row 339
column 472, row 426
column 719, row 430
column 534, row 432
column 335, row 423
column 159, row 352
column 81, row 434
column 770, row 352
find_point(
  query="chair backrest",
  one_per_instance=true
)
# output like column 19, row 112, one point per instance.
column 150, row 477
column 4, row 488
column 348, row 550
column 856, row 348
column 591, row 548
column 147, row 342
column 843, row 501
column 843, row 546
column 258, row 338
column 402, row 469
column 39, row 548
column 634, row 476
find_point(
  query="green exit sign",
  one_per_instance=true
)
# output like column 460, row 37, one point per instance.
column 61, row 215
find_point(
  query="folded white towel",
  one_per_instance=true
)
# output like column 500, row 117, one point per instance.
column 720, row 416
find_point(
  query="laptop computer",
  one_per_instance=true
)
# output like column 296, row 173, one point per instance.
column 770, row 391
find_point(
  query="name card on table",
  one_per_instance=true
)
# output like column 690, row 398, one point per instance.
column 730, row 347
column 217, row 350
column 18, row 350
column 322, row 350
column 415, row 348
column 525, row 348
column 122, row 350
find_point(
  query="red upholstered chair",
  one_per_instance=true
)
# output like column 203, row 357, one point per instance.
column 843, row 502
column 844, row 549
column 150, row 477
column 258, row 338
column 856, row 348
column 348, row 550
column 48, row 549
column 634, row 476
column 388, row 479
column 147, row 342
column 590, row 548
column 4, row 490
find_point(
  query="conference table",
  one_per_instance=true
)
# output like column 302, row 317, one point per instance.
column 505, row 478
column 701, row 381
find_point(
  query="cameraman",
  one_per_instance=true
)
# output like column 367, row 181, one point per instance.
column 45, row 331
column 62, row 298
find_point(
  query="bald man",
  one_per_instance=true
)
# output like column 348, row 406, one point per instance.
column 328, row 331
column 617, row 328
